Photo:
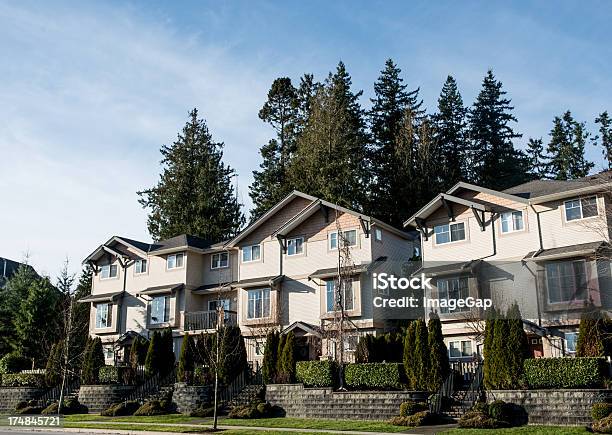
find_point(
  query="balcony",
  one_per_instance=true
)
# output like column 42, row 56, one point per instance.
column 203, row 320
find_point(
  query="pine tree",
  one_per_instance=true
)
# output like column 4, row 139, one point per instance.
column 409, row 357
column 194, row 194
column 497, row 164
column 152, row 361
column 185, row 369
column 421, row 355
column 306, row 93
column 605, row 136
column 566, row 148
column 270, row 359
column 517, row 346
column 331, row 150
column 271, row 184
column 537, row 159
column 439, row 366
column 451, row 135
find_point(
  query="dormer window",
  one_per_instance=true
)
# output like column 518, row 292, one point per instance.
column 295, row 246
column 449, row 233
column 512, row 221
column 175, row 261
column 219, row 261
column 580, row 208
column 140, row 266
column 109, row 271
column 348, row 238
column 251, row 253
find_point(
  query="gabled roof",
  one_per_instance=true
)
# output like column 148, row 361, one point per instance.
column 438, row 201
column 468, row 186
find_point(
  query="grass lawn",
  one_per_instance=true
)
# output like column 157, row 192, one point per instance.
column 179, row 429
column 524, row 430
column 170, row 418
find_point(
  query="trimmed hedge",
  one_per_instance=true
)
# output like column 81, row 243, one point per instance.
column 411, row 407
column 564, row 372
column 23, row 380
column 315, row 373
column 116, row 375
column 375, row 376
column 14, row 363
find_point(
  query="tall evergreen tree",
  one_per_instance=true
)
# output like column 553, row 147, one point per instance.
column 185, row 368
column 331, row 149
column 517, row 346
column 496, row 163
column 439, row 366
column 451, row 134
column 408, row 356
column 306, row 92
column 537, row 159
column 421, row 355
column 271, row 183
column 487, row 349
column 15, row 291
column 566, row 148
column 194, row 194
column 605, row 136
column 270, row 359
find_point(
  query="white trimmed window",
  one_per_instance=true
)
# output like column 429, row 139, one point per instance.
column 175, row 261
column 345, row 296
column 219, row 261
column 512, row 221
column 251, row 253
column 453, row 288
column 258, row 303
column 104, row 313
column 566, row 281
column 378, row 234
column 580, row 208
column 140, row 266
column 160, row 310
column 109, row 271
column 448, row 233
column 571, row 340
column 295, row 246
column 348, row 237
column 460, row 349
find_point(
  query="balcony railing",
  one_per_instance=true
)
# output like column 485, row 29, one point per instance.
column 202, row 320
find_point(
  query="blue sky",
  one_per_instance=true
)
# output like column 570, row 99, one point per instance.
column 90, row 91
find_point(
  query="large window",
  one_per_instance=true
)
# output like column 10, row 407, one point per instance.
column 259, row 303
column 104, row 313
column 453, row 288
column 512, row 221
column 567, row 281
column 460, row 349
column 345, row 296
column 175, row 261
column 140, row 266
column 219, row 261
column 295, row 246
column 347, row 238
column 251, row 253
column 160, row 309
column 449, row 233
column 580, row 208
column 109, row 271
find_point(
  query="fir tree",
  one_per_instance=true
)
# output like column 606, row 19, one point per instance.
column 517, row 346
column 605, row 136
column 185, row 369
column 451, row 135
column 194, row 194
column 537, row 159
column 306, row 93
column 331, row 149
column 566, row 148
column 154, row 354
column 409, row 356
column 439, row 366
column 270, row 359
column 421, row 356
column 497, row 164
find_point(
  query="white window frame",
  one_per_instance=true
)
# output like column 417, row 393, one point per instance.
column 108, row 320
column 509, row 216
column 166, row 310
column 581, row 208
column 294, row 240
column 262, row 313
column 378, row 234
column 110, row 267
column 575, row 340
column 140, row 262
column 347, row 285
column 337, row 239
column 219, row 255
column 453, row 343
column 247, row 249
column 176, row 257
column 450, row 233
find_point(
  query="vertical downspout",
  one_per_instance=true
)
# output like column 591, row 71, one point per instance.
column 537, row 278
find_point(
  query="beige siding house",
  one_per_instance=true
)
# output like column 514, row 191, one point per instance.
column 542, row 244
column 276, row 274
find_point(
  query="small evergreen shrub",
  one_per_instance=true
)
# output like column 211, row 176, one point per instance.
column 603, row 425
column 411, row 407
column 154, row 407
column 374, row 376
column 53, row 369
column 564, row 372
column 315, row 373
column 256, row 409
column 500, row 410
column 420, row 418
column 116, row 375
column 270, row 359
column 205, row 410
column 474, row 419
column 601, row 410
column 14, row 363
column 121, row 409
column 28, row 407
column 70, row 406
column 495, row 415
column 23, row 380
column 186, row 362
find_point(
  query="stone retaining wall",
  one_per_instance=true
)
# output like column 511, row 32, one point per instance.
column 99, row 397
column 301, row 402
column 11, row 396
column 555, row 407
column 189, row 397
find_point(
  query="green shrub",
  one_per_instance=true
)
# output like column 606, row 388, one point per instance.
column 14, row 363
column 603, row 425
column 70, row 406
column 28, row 407
column 153, row 407
column 205, row 410
column 186, row 363
column 564, row 372
column 420, row 418
column 499, row 410
column 93, row 360
column 53, row 370
column 256, row 409
column 270, row 359
column 287, row 359
column 116, row 375
column 121, row 409
column 315, row 373
column 138, row 351
column 23, row 380
column 374, row 376
column 410, row 407
column 478, row 420
column 154, row 355
column 601, row 410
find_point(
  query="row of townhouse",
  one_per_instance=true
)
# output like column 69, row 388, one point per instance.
column 277, row 273
column 543, row 244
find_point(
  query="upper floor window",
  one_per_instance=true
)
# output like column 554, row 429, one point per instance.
column 109, row 271
column 175, row 261
column 449, row 233
column 567, row 281
column 512, row 221
column 140, row 266
column 295, row 246
column 347, row 238
column 160, row 309
column 580, row 208
column 460, row 349
column 453, row 288
column 343, row 298
column 378, row 234
column 104, row 313
column 219, row 261
column 258, row 303
column 251, row 253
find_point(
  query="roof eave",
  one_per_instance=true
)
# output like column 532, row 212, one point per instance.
column 570, row 193
column 474, row 187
